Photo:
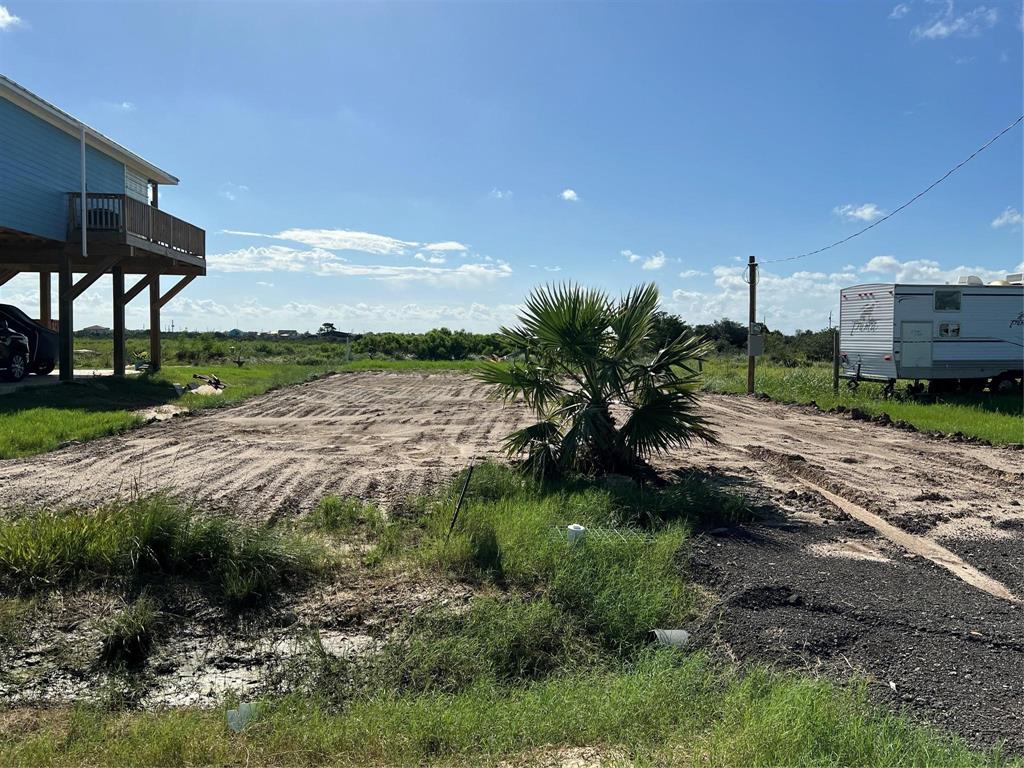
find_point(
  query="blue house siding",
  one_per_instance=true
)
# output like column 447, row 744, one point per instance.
column 39, row 165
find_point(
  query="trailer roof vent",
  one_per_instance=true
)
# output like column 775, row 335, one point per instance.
column 1016, row 278
column 969, row 280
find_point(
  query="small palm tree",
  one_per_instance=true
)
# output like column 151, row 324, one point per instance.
column 605, row 400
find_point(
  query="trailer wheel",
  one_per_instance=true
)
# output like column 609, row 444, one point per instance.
column 1004, row 384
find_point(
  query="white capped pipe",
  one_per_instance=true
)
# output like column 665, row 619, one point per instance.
column 575, row 533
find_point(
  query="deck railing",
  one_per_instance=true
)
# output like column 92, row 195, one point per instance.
column 106, row 212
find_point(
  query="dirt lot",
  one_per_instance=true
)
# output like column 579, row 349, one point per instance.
column 379, row 436
column 882, row 553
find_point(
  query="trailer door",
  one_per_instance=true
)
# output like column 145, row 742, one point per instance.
column 916, row 350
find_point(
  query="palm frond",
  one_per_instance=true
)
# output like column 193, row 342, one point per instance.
column 666, row 419
column 568, row 321
column 535, row 385
column 632, row 319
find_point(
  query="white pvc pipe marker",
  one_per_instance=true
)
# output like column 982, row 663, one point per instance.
column 575, row 533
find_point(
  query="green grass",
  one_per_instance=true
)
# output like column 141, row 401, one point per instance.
column 618, row 584
column 128, row 635
column 663, row 709
column 336, row 514
column 127, row 541
column 998, row 419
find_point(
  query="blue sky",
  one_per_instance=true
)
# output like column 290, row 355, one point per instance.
column 405, row 166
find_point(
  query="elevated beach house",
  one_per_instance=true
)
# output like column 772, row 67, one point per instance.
column 76, row 203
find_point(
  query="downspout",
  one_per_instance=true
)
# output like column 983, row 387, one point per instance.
column 85, row 249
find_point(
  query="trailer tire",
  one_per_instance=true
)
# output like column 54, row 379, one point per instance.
column 1004, row 384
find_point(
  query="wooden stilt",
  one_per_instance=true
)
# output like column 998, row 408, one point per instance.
column 154, row 322
column 45, row 298
column 66, row 300
column 117, row 278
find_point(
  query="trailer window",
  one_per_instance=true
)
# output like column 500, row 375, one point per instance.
column 947, row 301
column 949, row 330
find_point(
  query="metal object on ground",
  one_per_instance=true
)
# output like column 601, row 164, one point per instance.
column 458, row 506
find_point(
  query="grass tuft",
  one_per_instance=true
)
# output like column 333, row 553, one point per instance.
column 151, row 535
column 335, row 514
column 128, row 635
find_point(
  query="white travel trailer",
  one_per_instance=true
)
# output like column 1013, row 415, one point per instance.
column 968, row 335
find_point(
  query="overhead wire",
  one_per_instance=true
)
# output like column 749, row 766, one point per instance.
column 909, row 202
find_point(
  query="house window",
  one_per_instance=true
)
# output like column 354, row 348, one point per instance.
column 136, row 185
column 947, row 301
column 949, row 330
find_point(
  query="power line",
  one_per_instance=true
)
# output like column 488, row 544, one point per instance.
column 916, row 197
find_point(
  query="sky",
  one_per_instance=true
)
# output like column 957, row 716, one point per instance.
column 403, row 166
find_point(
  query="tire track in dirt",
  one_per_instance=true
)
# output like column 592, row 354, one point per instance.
column 378, row 435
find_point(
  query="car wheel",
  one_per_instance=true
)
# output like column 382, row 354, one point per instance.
column 17, row 367
column 44, row 368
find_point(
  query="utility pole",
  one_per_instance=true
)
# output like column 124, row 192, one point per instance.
column 752, row 321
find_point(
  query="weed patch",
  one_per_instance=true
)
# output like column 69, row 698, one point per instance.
column 128, row 635
column 335, row 514
column 130, row 540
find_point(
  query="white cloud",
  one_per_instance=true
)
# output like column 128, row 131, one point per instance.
column 630, row 256
column 500, row 194
column 657, row 261
column 318, row 261
column 805, row 298
column 449, row 245
column 429, row 259
column 686, row 274
column 863, row 212
column 570, row 195
column 194, row 311
column 552, row 269
column 126, row 106
column 1011, row 217
column 264, row 283
column 928, row 271
column 231, row 191
column 351, row 240
column 899, row 11
column 947, row 23
column 7, row 19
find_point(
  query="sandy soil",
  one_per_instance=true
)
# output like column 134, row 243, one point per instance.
column 379, row 436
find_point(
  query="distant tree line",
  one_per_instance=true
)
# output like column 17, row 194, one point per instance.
column 437, row 344
column 730, row 337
